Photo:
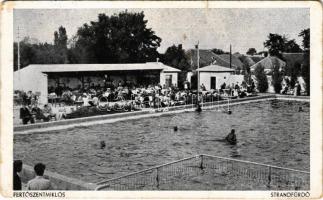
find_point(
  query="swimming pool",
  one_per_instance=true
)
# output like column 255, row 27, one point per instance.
column 270, row 132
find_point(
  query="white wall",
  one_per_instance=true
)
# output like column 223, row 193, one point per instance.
column 29, row 79
column 233, row 79
column 221, row 77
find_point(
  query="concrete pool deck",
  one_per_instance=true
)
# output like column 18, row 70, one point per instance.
column 111, row 118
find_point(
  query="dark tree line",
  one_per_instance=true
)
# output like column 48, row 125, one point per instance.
column 277, row 45
column 120, row 38
column 42, row 53
column 305, row 68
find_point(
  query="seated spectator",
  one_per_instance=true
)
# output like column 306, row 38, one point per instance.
column 48, row 113
column 203, row 88
column 37, row 112
column 33, row 113
column 25, row 115
column 298, row 89
column 29, row 97
column 73, row 98
column 85, row 99
column 285, row 90
column 253, row 86
column 222, row 87
column 95, row 101
column 61, row 112
column 39, row 182
column 17, row 167
column 237, row 87
column 52, row 97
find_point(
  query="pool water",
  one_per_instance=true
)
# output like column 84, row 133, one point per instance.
column 270, row 132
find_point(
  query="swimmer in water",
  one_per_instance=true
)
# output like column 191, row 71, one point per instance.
column 231, row 138
column 300, row 109
column 175, row 128
column 102, row 144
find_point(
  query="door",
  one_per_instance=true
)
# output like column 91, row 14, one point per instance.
column 168, row 80
column 213, row 83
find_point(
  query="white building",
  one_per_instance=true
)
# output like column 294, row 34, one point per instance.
column 213, row 76
column 39, row 78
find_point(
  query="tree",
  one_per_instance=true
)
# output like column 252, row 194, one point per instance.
column 251, row 51
column 278, row 44
column 120, row 38
column 60, row 45
column 294, row 73
column 275, row 44
column 305, row 69
column 175, row 56
column 60, row 38
column 292, row 47
column 27, row 53
column 277, row 79
column 33, row 52
column 262, row 81
column 306, row 38
column 247, row 63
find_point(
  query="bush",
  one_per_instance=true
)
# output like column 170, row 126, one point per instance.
column 277, row 79
column 305, row 71
column 262, row 81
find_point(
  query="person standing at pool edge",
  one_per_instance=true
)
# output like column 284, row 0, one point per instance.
column 17, row 167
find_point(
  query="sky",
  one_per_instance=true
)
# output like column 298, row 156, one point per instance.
column 243, row 28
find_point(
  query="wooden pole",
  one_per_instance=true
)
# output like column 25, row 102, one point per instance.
column 18, row 50
column 230, row 57
column 198, row 72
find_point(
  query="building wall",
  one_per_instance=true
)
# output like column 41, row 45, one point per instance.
column 233, row 79
column 163, row 78
column 31, row 80
column 189, row 76
column 221, row 77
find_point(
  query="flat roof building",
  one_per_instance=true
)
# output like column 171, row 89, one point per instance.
column 40, row 77
column 213, row 76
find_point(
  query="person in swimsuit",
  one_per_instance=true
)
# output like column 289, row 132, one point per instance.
column 231, row 138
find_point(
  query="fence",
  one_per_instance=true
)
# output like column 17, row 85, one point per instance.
column 205, row 172
column 188, row 103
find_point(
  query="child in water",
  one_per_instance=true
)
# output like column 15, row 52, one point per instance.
column 231, row 138
column 199, row 109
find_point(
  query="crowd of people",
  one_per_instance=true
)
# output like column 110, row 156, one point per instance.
column 150, row 96
column 32, row 113
column 296, row 90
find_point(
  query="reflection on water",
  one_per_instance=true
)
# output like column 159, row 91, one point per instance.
column 267, row 132
column 235, row 151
